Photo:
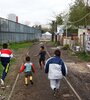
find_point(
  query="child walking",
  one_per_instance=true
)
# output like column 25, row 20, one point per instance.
column 42, row 56
column 5, row 56
column 28, row 68
column 56, row 69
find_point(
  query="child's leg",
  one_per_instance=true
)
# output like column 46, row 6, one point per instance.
column 26, row 81
column 4, row 74
column 53, row 84
column 5, row 63
column 57, row 84
column 26, row 78
column 43, row 63
column 40, row 63
column 5, row 71
column 31, row 80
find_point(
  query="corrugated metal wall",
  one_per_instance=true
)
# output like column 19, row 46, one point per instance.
column 15, row 32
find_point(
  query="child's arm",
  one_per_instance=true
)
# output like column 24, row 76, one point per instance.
column 11, row 53
column 47, row 54
column 47, row 66
column 22, row 68
column 0, row 52
column 64, row 69
column 36, row 55
column 33, row 68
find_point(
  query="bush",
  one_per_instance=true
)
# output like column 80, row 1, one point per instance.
column 83, row 56
column 66, row 47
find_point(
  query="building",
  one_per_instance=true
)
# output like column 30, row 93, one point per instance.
column 13, row 17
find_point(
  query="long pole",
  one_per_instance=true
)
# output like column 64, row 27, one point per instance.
column 87, row 2
column 66, row 33
column 52, row 31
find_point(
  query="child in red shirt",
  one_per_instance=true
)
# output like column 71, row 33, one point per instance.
column 28, row 68
column 5, row 56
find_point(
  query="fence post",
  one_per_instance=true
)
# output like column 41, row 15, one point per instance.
column 84, row 45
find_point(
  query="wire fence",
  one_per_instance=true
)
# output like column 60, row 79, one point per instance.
column 15, row 32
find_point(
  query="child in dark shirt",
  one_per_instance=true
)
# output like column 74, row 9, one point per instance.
column 42, row 56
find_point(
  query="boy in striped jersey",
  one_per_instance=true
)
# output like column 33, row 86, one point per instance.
column 5, row 55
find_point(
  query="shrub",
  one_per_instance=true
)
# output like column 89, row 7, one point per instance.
column 66, row 47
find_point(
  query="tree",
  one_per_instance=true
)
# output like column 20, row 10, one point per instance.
column 59, row 19
column 78, row 11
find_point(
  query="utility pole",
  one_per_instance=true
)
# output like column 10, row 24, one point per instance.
column 87, row 3
column 66, row 31
column 53, row 31
column 84, row 45
column 66, row 24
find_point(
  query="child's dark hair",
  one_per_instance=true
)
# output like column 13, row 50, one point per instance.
column 27, row 58
column 57, row 53
column 88, row 29
column 42, row 47
column 5, row 46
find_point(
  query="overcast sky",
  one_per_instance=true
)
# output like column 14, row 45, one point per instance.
column 35, row 11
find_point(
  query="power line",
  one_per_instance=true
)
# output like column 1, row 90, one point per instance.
column 79, row 19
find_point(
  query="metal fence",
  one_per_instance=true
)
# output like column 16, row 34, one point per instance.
column 15, row 32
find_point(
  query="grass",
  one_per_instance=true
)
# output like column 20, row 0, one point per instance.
column 66, row 47
column 16, row 46
column 83, row 56
column 53, row 43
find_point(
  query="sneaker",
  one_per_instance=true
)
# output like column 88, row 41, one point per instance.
column 26, row 84
column 3, row 87
column 32, row 82
column 2, row 82
column 54, row 92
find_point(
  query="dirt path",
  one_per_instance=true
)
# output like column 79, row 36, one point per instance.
column 41, row 89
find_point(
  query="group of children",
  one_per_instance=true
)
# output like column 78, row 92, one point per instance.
column 54, row 66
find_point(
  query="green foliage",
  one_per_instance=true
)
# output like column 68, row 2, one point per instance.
column 16, row 46
column 52, row 43
column 66, row 47
column 59, row 19
column 83, row 56
column 78, row 11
